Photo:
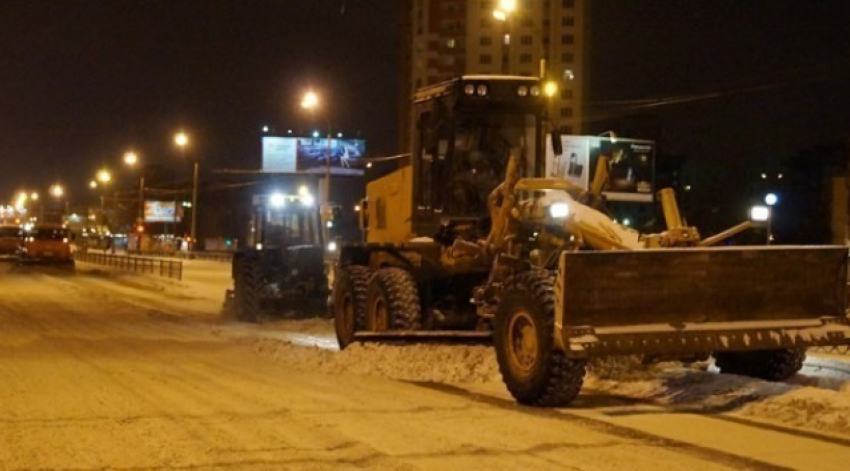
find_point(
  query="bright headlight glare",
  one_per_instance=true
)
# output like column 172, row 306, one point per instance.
column 469, row 89
column 522, row 90
column 277, row 200
column 535, row 90
column 559, row 210
column 481, row 90
column 332, row 246
column 759, row 213
column 308, row 200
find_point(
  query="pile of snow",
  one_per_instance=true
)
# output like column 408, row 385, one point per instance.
column 695, row 387
column 807, row 407
column 426, row 363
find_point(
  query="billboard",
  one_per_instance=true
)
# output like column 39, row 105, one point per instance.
column 310, row 155
column 632, row 165
column 162, row 211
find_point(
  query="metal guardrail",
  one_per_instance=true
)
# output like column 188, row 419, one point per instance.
column 164, row 268
column 225, row 257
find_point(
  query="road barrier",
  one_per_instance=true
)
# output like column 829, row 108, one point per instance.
column 224, row 257
column 152, row 266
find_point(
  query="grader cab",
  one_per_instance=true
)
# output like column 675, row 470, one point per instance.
column 466, row 239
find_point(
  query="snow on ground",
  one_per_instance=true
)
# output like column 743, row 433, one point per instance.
column 694, row 388
column 810, row 400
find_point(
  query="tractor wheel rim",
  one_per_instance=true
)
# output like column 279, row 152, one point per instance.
column 522, row 342
column 379, row 315
column 348, row 315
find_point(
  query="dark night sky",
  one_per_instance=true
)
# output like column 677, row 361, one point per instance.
column 781, row 69
column 81, row 81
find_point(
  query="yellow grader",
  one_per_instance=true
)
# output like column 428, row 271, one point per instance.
column 465, row 239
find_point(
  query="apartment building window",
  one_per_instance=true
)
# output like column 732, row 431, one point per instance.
column 526, row 40
column 524, row 58
column 433, row 45
column 568, row 3
column 568, row 21
column 566, row 94
column 485, row 59
column 485, row 23
column 486, row 40
column 566, row 112
column 567, row 39
column 487, row 4
column 567, row 57
column 448, row 60
column 451, row 43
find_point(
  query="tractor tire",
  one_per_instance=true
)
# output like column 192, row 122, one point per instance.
column 535, row 373
column 247, row 287
column 393, row 301
column 769, row 365
column 348, row 302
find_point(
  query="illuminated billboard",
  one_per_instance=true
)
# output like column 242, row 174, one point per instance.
column 310, row 155
column 632, row 165
column 162, row 211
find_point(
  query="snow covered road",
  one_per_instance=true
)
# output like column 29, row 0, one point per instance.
column 102, row 371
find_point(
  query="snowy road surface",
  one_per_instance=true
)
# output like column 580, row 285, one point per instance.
column 106, row 371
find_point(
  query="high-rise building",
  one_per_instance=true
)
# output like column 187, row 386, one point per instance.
column 447, row 38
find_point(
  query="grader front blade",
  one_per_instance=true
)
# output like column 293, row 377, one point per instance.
column 684, row 301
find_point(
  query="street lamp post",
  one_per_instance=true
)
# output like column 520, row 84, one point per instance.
column 181, row 140
column 310, row 102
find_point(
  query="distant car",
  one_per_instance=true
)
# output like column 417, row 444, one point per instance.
column 48, row 244
column 10, row 239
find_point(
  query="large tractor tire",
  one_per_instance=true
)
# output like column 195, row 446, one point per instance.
column 534, row 372
column 348, row 302
column 393, row 301
column 769, row 365
column 248, row 285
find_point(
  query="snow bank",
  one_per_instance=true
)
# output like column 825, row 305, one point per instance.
column 694, row 387
column 433, row 363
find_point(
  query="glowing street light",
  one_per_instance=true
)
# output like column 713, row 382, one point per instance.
column 310, row 100
column 57, row 191
column 92, row 184
column 34, row 196
column 550, row 88
column 181, row 139
column 771, row 199
column 131, row 158
column 103, row 176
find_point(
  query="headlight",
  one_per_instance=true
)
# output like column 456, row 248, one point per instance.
column 277, row 200
column 559, row 210
column 522, row 90
column 469, row 89
column 535, row 90
column 759, row 213
column 481, row 90
column 332, row 246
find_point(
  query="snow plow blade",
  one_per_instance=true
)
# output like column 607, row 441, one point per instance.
column 682, row 301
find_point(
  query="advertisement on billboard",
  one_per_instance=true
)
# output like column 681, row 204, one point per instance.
column 310, row 155
column 632, row 165
column 162, row 211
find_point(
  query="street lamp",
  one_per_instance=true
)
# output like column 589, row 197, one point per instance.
column 310, row 102
column 58, row 191
column 181, row 140
column 131, row 159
